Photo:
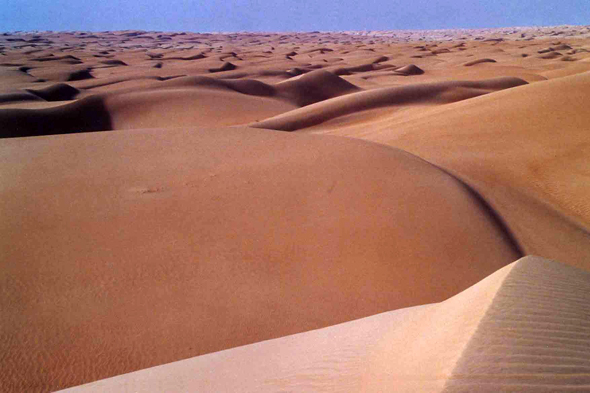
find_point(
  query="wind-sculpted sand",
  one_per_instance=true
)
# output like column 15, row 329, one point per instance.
column 298, row 211
column 522, row 329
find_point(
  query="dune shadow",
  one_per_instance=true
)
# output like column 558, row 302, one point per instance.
column 493, row 214
column 87, row 115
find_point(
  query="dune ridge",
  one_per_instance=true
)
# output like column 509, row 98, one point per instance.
column 434, row 93
column 474, row 139
column 309, row 88
column 533, row 337
column 479, row 340
column 158, row 105
column 121, row 110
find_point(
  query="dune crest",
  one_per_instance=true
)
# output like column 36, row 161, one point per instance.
column 408, row 70
column 539, row 129
column 434, row 93
column 179, row 102
column 533, row 336
column 487, row 338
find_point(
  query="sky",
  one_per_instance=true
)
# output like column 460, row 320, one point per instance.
column 285, row 15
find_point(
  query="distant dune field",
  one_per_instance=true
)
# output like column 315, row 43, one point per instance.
column 356, row 211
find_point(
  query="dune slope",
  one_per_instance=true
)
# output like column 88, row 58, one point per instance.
column 231, row 236
column 180, row 102
column 524, row 149
column 427, row 93
column 533, row 337
column 521, row 329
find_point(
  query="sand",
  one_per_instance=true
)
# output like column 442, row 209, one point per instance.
column 301, row 211
column 522, row 329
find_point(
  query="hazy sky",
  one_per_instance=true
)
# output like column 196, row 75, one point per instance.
column 286, row 15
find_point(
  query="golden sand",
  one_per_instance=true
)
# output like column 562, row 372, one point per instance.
column 306, row 212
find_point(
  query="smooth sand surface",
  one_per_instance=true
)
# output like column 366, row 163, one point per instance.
column 524, row 149
column 167, row 196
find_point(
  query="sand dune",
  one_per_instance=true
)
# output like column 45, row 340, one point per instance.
column 523, row 148
column 372, row 248
column 57, row 92
column 180, row 102
column 408, row 70
column 349, row 227
column 506, row 333
column 315, row 86
column 145, row 109
column 85, row 115
column 187, row 107
column 309, row 88
column 19, row 96
column 479, row 61
column 533, row 336
column 15, row 76
column 434, row 93
column 62, row 74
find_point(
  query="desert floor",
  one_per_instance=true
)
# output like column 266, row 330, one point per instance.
column 352, row 211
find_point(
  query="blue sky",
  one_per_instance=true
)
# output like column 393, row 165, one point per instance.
column 286, row 15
